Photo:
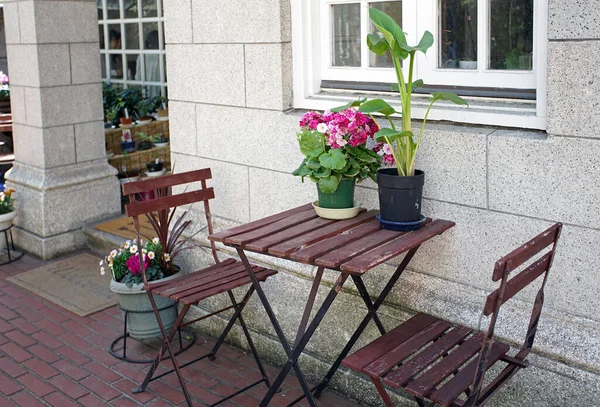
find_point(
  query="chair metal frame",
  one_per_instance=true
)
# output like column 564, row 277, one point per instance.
column 165, row 204
column 478, row 396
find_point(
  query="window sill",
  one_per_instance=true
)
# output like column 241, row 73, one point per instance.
column 482, row 111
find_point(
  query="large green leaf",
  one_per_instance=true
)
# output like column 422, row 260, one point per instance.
column 391, row 31
column 365, row 157
column 334, row 159
column 322, row 172
column 452, row 97
column 297, row 170
column 313, row 163
column 312, row 143
column 385, row 134
column 354, row 103
column 377, row 106
column 329, row 184
column 425, row 43
column 351, row 172
column 377, row 45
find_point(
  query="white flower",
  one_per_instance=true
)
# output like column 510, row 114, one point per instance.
column 144, row 251
column 151, row 255
column 127, row 244
column 102, row 271
column 101, row 263
column 133, row 249
column 322, row 128
column 167, row 257
column 114, row 253
column 380, row 153
column 156, row 240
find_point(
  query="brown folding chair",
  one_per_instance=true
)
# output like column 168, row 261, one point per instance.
column 437, row 361
column 194, row 287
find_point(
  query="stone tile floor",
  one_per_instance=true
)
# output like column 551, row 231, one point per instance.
column 51, row 357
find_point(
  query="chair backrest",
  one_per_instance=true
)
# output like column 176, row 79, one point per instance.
column 532, row 270
column 164, row 201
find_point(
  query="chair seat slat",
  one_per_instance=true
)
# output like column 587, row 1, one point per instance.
column 218, row 281
column 189, row 276
column 416, row 365
column 200, row 277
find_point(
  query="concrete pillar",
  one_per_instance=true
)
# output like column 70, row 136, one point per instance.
column 61, row 174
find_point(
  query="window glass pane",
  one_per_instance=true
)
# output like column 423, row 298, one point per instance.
column 134, row 69
column 103, row 66
column 346, row 39
column 116, row 66
column 100, row 10
column 132, row 36
column 150, row 35
column 165, row 66
column 152, row 66
column 458, row 34
column 113, row 9
column 114, row 36
column 394, row 10
column 131, row 8
column 511, row 34
column 149, row 8
column 152, row 91
column 101, row 36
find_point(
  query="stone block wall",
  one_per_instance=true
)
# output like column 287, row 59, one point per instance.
column 231, row 110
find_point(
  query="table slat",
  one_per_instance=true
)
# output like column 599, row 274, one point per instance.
column 286, row 248
column 278, row 226
column 381, row 254
column 219, row 237
column 261, row 245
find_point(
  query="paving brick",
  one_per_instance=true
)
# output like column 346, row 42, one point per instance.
column 43, row 353
column 20, row 338
column 7, row 314
column 47, row 340
column 126, row 386
column 35, row 385
column 70, row 369
column 75, row 341
column 124, row 402
column 102, row 372
column 175, row 396
column 15, row 352
column 69, row 387
column 103, row 356
column 57, row 399
column 92, row 401
column 25, row 326
column 8, row 386
column 29, row 314
column 100, row 388
column 25, row 399
column 77, row 328
column 5, row 326
column 54, row 315
column 14, row 292
column 40, row 368
column 11, row 368
column 51, row 327
column 73, row 355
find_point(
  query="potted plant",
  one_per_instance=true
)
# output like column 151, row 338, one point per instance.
column 127, row 143
column 7, row 213
column 145, row 142
column 163, row 112
column 111, row 116
column 155, row 168
column 4, row 93
column 145, row 108
column 159, row 256
column 127, row 174
column 159, row 140
column 336, row 155
column 400, row 187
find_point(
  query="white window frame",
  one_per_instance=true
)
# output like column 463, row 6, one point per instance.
column 106, row 53
column 312, row 60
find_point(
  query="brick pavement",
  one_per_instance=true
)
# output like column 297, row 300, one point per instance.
column 51, row 357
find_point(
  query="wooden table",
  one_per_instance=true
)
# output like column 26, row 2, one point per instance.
column 352, row 247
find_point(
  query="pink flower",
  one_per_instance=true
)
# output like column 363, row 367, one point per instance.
column 3, row 78
column 133, row 264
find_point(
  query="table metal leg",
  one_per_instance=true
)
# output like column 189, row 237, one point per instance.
column 372, row 307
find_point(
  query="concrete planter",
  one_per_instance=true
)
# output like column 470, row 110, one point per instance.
column 135, row 299
column 5, row 222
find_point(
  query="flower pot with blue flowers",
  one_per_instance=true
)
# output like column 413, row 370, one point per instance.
column 337, row 157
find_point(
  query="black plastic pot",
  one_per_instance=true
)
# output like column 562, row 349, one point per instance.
column 154, row 167
column 400, row 197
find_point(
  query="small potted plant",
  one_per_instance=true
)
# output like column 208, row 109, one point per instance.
column 336, row 157
column 127, row 143
column 4, row 93
column 127, row 173
column 159, row 140
column 145, row 108
column 155, row 168
column 111, row 116
column 7, row 213
column 400, row 187
column 159, row 256
column 145, row 142
column 163, row 111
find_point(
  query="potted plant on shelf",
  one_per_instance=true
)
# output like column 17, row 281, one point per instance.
column 127, row 143
column 145, row 108
column 400, row 187
column 127, row 173
column 7, row 213
column 4, row 93
column 155, row 168
column 159, row 140
column 158, row 256
column 145, row 142
column 336, row 157
column 163, row 112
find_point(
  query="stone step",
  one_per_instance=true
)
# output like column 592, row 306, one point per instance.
column 101, row 242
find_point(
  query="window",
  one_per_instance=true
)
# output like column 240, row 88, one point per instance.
column 493, row 51
column 132, row 46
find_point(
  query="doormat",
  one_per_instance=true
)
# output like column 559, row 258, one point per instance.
column 74, row 283
column 123, row 227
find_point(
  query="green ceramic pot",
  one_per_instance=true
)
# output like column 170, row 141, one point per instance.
column 342, row 198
